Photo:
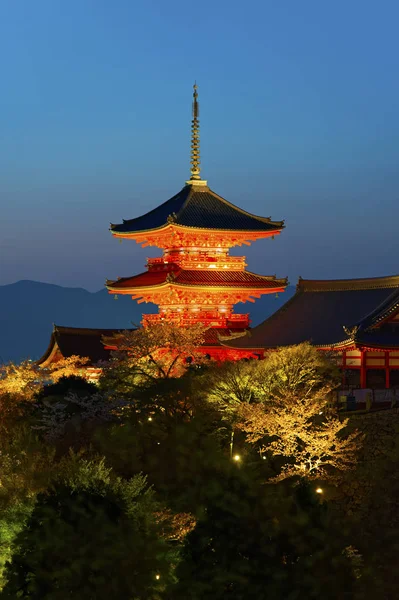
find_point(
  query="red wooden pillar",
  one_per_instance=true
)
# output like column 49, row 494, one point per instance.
column 387, row 382
column 343, row 369
column 363, row 369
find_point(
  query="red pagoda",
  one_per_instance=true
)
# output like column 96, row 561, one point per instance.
column 196, row 280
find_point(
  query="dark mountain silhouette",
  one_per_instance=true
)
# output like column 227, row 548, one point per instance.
column 28, row 310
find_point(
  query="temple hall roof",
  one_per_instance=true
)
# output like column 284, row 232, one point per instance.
column 197, row 277
column 330, row 313
column 79, row 342
column 199, row 207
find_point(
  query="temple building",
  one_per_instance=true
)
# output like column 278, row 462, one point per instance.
column 358, row 319
column 196, row 280
column 78, row 341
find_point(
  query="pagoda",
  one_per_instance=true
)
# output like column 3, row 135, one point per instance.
column 196, row 280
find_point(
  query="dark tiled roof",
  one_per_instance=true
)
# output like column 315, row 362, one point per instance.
column 379, row 338
column 80, row 342
column 211, row 337
column 215, row 335
column 320, row 310
column 148, row 278
column 382, row 312
column 209, row 277
column 197, row 207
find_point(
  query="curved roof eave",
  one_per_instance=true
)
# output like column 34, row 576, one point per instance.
column 194, row 204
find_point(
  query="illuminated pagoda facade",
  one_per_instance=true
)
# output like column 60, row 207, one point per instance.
column 196, row 280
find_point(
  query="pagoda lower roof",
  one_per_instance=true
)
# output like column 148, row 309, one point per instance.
column 331, row 313
column 198, row 207
column 198, row 278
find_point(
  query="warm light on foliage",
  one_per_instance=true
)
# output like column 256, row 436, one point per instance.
column 175, row 527
column 159, row 351
column 291, row 417
column 25, row 378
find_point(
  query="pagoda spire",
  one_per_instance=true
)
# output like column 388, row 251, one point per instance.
column 195, row 162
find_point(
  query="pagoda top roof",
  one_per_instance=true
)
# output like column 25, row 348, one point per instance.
column 197, row 206
column 197, row 277
column 330, row 313
column 78, row 341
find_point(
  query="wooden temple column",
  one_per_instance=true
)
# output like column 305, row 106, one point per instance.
column 343, row 371
column 387, row 381
column 363, row 371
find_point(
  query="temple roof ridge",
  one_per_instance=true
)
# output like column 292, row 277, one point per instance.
column 363, row 283
column 328, row 313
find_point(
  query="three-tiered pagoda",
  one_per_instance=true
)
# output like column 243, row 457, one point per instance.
column 196, row 280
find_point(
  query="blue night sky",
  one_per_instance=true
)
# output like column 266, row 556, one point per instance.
column 299, row 120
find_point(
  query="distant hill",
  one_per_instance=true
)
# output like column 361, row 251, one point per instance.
column 28, row 310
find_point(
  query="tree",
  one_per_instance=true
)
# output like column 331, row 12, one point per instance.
column 292, row 417
column 25, row 379
column 67, row 384
column 91, row 535
column 312, row 444
column 154, row 352
column 25, row 469
column 232, row 383
column 263, row 542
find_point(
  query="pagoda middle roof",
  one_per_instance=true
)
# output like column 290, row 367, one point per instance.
column 198, row 207
column 197, row 277
column 330, row 313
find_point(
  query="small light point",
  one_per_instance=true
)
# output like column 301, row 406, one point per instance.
column 319, row 490
column 237, row 457
column 157, row 576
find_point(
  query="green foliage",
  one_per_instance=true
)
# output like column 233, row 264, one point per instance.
column 12, row 520
column 74, row 525
column 262, row 542
column 181, row 461
column 66, row 385
column 91, row 535
column 26, row 468
column 367, row 501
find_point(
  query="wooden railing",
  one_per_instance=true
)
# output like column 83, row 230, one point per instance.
column 233, row 263
column 208, row 320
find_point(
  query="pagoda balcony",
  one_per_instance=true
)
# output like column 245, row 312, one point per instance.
column 232, row 263
column 235, row 321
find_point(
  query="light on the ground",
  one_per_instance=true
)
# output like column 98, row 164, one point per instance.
column 319, row 490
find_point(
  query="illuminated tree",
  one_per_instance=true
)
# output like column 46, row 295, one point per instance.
column 231, row 384
column 309, row 442
column 292, row 416
column 159, row 351
column 175, row 526
column 26, row 378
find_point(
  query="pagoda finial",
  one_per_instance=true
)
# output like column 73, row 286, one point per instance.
column 195, row 162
